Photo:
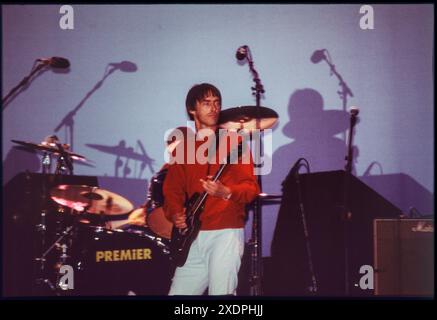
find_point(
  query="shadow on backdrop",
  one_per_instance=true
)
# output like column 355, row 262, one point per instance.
column 36, row 71
column 129, row 155
column 313, row 130
column 344, row 90
column 68, row 120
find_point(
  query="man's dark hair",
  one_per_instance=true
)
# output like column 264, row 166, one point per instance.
column 197, row 93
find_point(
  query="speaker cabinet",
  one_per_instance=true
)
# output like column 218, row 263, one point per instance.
column 338, row 248
column 404, row 257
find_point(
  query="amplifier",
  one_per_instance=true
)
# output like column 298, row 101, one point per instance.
column 404, row 257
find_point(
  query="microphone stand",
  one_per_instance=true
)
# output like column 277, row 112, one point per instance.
column 256, row 241
column 344, row 89
column 294, row 173
column 23, row 82
column 347, row 214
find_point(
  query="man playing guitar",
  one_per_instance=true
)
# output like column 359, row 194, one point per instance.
column 214, row 257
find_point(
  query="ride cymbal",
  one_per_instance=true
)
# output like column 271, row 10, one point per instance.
column 248, row 117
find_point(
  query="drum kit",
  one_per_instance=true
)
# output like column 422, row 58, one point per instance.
column 138, row 248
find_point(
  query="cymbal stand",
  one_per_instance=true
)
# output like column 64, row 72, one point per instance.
column 41, row 227
column 46, row 162
column 256, row 239
column 64, row 164
column 58, row 243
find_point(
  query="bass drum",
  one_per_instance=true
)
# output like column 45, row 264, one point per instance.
column 156, row 219
column 117, row 262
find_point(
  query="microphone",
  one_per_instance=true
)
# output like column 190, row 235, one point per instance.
column 125, row 66
column 354, row 111
column 55, row 62
column 414, row 213
column 318, row 56
column 241, row 53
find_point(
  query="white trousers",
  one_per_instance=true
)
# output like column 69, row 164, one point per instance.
column 213, row 262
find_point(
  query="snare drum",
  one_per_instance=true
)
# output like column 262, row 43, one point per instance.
column 117, row 262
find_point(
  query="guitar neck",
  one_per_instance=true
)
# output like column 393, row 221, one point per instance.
column 204, row 194
column 217, row 175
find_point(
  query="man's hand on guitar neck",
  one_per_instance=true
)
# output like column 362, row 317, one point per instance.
column 216, row 189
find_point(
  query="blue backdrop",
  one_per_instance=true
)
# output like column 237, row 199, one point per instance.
column 165, row 49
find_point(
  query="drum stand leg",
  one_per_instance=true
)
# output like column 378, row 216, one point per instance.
column 62, row 260
column 41, row 228
column 255, row 281
column 256, row 270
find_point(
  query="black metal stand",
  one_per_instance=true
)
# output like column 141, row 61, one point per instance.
column 58, row 243
column 256, row 240
column 347, row 214
column 312, row 288
column 64, row 165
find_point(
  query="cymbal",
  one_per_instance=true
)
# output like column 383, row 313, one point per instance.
column 91, row 199
column 245, row 117
column 49, row 147
column 120, row 150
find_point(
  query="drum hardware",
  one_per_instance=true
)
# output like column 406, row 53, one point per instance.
column 51, row 146
column 63, row 229
column 46, row 162
column 142, row 232
column 60, row 244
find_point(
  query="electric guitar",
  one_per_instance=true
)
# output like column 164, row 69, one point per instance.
column 181, row 239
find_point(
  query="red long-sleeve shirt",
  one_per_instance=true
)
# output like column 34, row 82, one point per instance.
column 183, row 180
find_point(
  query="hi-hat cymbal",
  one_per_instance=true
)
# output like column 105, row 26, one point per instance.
column 91, row 199
column 248, row 117
column 49, row 147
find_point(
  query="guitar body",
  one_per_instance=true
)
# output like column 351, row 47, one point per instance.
column 181, row 239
